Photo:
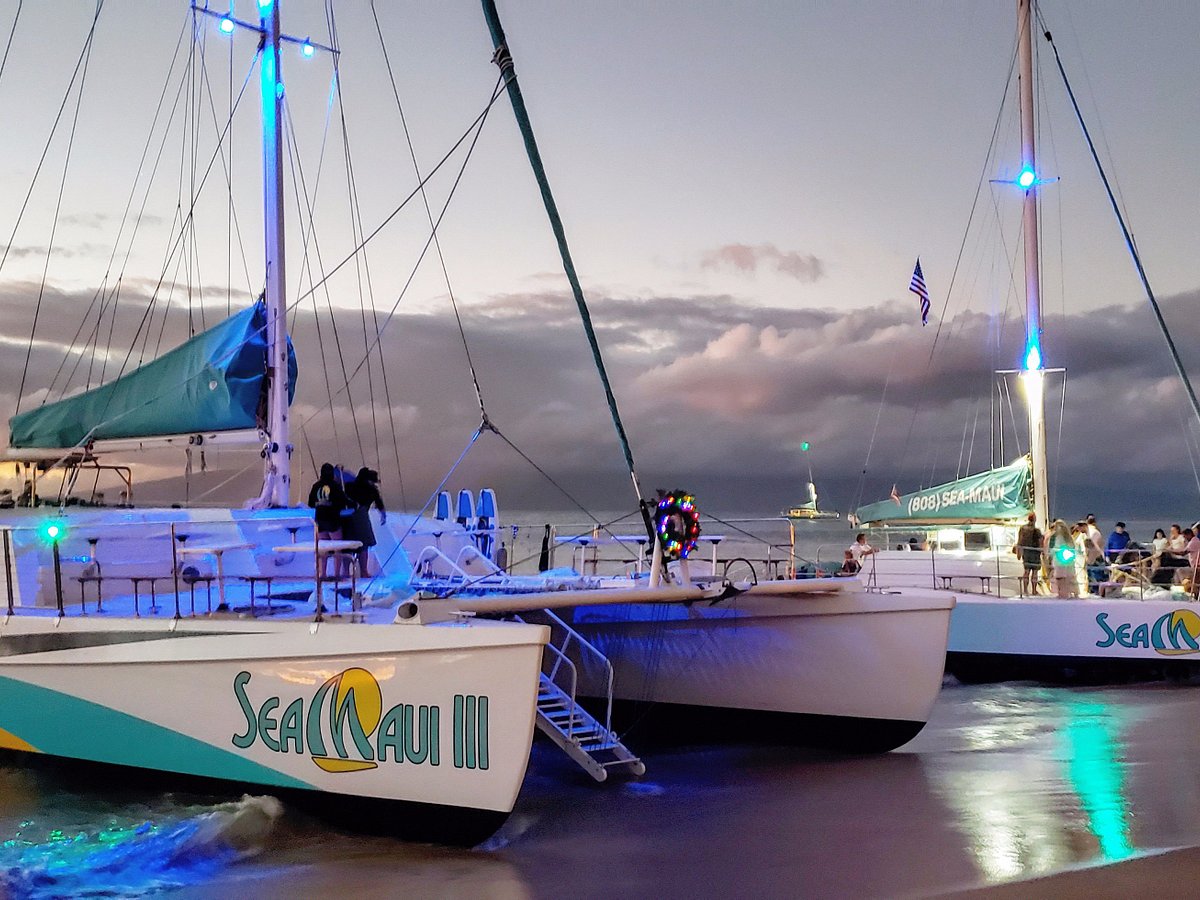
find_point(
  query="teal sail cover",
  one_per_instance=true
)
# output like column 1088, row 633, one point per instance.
column 213, row 382
column 996, row 496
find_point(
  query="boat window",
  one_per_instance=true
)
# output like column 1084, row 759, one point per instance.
column 976, row 540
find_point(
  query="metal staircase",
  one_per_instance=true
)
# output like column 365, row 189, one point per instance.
column 583, row 737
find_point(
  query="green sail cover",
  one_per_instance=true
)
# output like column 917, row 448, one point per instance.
column 996, row 496
column 213, row 382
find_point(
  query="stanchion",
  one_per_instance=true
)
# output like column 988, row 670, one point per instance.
column 58, row 593
column 8, row 572
column 175, row 570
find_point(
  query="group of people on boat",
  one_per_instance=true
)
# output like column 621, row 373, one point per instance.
column 1077, row 561
column 341, row 506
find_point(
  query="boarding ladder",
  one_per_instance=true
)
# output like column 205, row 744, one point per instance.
column 583, row 737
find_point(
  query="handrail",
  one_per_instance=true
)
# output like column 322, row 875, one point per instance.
column 584, row 644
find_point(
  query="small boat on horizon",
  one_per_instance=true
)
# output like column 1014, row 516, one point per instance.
column 809, row 510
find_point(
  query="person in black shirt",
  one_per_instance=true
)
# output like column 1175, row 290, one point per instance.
column 363, row 492
column 328, row 500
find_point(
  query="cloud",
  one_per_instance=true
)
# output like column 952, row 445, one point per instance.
column 747, row 259
column 715, row 394
column 73, row 250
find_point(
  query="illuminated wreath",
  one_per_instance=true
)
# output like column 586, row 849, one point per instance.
column 677, row 524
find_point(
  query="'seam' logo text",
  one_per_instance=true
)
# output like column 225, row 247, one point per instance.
column 344, row 727
column 1173, row 634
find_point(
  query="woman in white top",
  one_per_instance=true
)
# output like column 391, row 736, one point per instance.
column 1060, row 550
column 1160, row 541
column 1176, row 543
column 1082, row 544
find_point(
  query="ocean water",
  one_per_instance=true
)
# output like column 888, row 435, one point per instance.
column 1007, row 782
column 760, row 542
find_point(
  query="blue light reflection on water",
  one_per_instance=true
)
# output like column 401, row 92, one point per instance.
column 131, row 857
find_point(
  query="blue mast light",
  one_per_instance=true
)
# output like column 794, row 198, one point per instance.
column 1033, row 358
column 1026, row 178
column 226, row 25
column 307, row 48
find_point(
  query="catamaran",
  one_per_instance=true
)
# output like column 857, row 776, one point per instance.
column 423, row 730
column 959, row 536
column 419, row 689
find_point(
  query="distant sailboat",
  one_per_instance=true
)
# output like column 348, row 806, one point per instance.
column 809, row 509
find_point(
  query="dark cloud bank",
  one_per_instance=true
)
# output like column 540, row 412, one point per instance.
column 717, row 396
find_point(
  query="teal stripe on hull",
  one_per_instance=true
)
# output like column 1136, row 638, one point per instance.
column 62, row 725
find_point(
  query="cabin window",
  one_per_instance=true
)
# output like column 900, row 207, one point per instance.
column 976, row 540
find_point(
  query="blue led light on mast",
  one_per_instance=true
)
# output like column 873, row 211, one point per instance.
column 226, row 25
column 307, row 49
column 1033, row 358
column 1026, row 178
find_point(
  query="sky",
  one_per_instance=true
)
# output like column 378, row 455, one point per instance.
column 745, row 188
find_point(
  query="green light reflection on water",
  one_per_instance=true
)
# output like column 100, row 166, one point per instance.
column 1096, row 772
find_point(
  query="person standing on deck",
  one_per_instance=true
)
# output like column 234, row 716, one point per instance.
column 1082, row 545
column 1029, row 549
column 363, row 491
column 328, row 500
column 1060, row 549
column 1093, row 534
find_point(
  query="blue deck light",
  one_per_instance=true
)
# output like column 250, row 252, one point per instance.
column 52, row 532
column 226, row 25
column 1027, row 178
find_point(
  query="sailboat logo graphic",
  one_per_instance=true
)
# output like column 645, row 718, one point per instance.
column 355, row 704
column 345, row 728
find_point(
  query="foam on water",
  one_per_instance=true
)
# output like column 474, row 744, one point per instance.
column 131, row 857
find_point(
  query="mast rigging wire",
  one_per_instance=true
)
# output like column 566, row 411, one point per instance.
column 1129, row 242
column 311, row 240
column 12, row 31
column 429, row 213
column 83, row 55
column 376, row 341
column 958, row 259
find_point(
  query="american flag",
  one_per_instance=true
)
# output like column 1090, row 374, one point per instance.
column 917, row 286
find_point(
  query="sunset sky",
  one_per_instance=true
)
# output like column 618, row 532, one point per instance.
column 745, row 188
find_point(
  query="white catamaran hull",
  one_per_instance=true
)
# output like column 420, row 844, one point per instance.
column 424, row 730
column 1085, row 639
column 853, row 670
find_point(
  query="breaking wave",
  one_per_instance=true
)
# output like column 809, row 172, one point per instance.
column 133, row 858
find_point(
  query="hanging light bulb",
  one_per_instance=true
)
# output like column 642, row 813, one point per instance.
column 226, row 25
column 307, row 48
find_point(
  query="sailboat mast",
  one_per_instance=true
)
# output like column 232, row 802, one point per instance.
column 277, row 452
column 1033, row 373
